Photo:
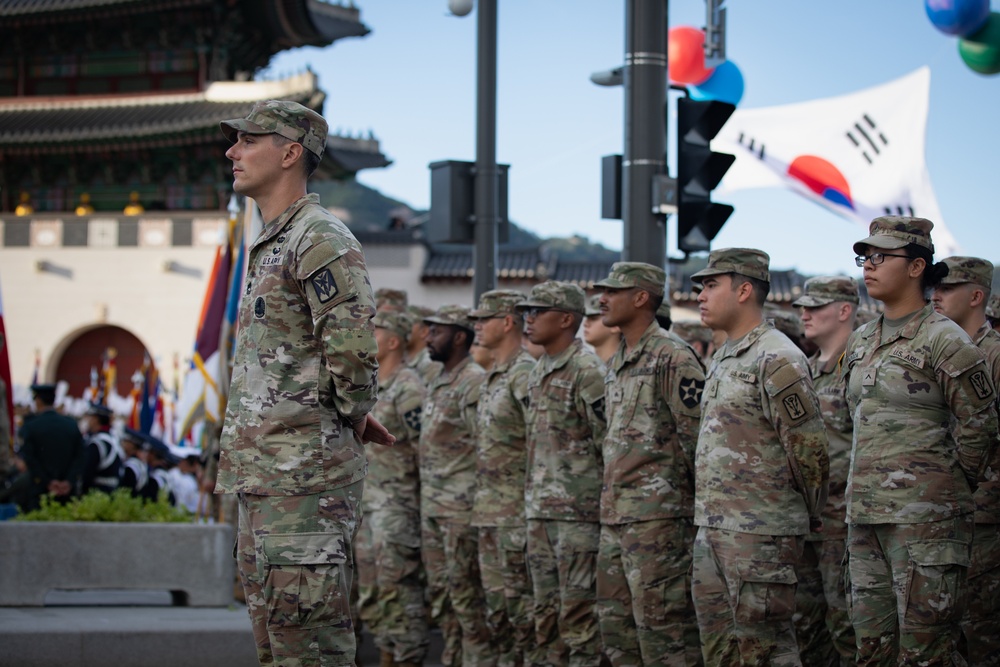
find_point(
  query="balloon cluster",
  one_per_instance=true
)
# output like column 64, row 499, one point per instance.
column 686, row 66
column 977, row 28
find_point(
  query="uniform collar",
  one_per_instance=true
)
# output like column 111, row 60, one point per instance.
column 733, row 350
column 272, row 228
column 561, row 359
column 909, row 329
column 622, row 357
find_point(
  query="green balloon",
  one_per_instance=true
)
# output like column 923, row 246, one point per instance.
column 981, row 49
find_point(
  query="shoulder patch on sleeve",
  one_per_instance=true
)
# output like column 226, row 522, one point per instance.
column 783, row 378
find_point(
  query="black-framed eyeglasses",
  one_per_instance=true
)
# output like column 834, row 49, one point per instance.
column 876, row 258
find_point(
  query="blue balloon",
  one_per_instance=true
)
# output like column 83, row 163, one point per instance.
column 725, row 85
column 958, row 17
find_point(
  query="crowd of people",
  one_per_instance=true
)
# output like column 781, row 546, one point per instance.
column 59, row 456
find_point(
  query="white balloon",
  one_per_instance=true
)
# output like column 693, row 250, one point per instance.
column 460, row 7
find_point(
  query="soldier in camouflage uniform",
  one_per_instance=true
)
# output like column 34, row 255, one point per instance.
column 602, row 338
column 697, row 335
column 388, row 298
column 447, row 489
column 925, row 426
column 962, row 297
column 993, row 310
column 761, row 470
column 304, row 382
column 652, row 392
column 392, row 502
column 565, row 426
column 498, row 510
column 417, row 356
column 822, row 624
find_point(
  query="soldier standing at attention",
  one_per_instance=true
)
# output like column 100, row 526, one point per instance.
column 761, row 471
column 652, row 391
column 962, row 297
column 596, row 333
column 392, row 503
column 698, row 336
column 417, row 356
column 304, row 382
column 925, row 426
column 822, row 625
column 105, row 458
column 447, row 488
column 502, row 457
column 565, row 426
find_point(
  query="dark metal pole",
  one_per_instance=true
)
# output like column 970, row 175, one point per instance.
column 487, row 179
column 645, row 129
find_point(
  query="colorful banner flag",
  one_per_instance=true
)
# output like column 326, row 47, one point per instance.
column 5, row 376
column 859, row 155
column 207, row 380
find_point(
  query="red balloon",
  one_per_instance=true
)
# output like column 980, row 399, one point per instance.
column 686, row 56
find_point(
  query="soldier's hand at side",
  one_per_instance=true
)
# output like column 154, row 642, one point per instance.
column 815, row 525
column 371, row 430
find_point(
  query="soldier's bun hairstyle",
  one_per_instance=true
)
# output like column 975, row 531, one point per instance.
column 934, row 273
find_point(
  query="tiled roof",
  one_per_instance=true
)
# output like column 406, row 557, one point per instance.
column 29, row 7
column 450, row 262
column 583, row 273
column 33, row 126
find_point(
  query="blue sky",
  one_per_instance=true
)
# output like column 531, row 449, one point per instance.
column 412, row 82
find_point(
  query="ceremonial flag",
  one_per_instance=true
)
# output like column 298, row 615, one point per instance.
column 859, row 155
column 207, row 379
column 5, row 376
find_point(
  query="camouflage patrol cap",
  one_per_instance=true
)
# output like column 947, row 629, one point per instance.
column 822, row 290
column 993, row 306
column 625, row 275
column 744, row 261
column 663, row 311
column 692, row 331
column 784, row 321
column 968, row 270
column 593, row 305
column 391, row 298
column 556, row 294
column 456, row 316
column 892, row 232
column 289, row 119
column 394, row 321
column 418, row 313
column 497, row 302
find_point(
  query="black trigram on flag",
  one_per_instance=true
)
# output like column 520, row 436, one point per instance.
column 868, row 138
column 755, row 149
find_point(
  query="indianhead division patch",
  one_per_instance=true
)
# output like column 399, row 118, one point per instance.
column 325, row 285
column 412, row 418
column 690, row 390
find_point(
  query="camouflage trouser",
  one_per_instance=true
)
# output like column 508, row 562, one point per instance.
column 562, row 559
column 644, row 594
column 364, row 609
column 907, row 590
column 451, row 558
column 402, row 626
column 822, row 624
column 744, row 595
column 509, row 599
column 981, row 625
column 294, row 558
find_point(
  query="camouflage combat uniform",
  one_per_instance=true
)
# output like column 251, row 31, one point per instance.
column 425, row 367
column 447, row 487
column 566, row 425
column 981, row 625
column 392, row 510
column 498, row 510
column 652, row 393
column 909, row 493
column 925, row 425
column 304, row 371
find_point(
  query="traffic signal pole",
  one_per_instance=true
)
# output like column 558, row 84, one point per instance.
column 644, row 159
column 487, row 174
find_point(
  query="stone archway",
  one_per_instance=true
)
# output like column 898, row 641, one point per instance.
column 87, row 350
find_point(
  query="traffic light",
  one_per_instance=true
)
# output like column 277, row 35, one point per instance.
column 699, row 170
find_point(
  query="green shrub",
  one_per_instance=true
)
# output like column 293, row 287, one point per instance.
column 119, row 506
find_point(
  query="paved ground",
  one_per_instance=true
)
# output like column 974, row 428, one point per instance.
column 136, row 629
